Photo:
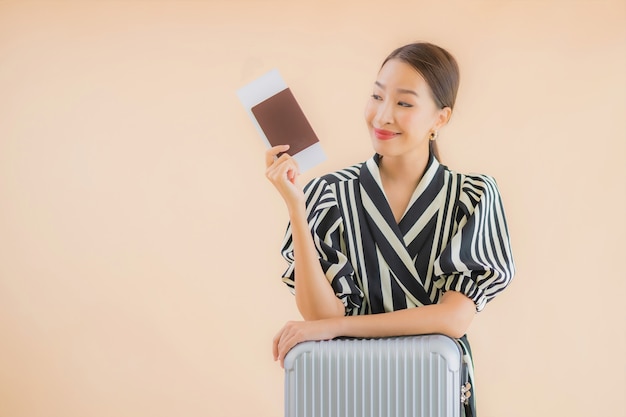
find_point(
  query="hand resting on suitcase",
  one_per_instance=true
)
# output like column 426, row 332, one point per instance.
column 451, row 317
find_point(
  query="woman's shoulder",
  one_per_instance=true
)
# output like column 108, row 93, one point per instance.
column 472, row 182
column 350, row 173
column 346, row 174
column 323, row 191
column 475, row 188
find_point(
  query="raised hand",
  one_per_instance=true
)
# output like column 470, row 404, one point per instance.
column 283, row 171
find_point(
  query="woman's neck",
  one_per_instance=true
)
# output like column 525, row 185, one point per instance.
column 404, row 168
column 400, row 176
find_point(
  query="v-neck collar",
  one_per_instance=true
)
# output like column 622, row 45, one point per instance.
column 372, row 183
column 388, row 235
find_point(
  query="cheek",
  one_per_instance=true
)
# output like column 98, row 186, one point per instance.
column 413, row 121
column 369, row 112
column 407, row 120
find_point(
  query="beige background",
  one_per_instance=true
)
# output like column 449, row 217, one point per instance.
column 139, row 264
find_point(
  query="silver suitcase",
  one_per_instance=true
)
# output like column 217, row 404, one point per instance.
column 413, row 376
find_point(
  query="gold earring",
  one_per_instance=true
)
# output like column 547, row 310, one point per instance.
column 433, row 135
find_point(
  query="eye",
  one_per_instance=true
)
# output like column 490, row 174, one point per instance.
column 403, row 104
column 376, row 97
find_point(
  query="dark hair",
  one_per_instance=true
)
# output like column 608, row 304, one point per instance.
column 439, row 69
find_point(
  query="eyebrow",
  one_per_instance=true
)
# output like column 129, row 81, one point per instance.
column 400, row 90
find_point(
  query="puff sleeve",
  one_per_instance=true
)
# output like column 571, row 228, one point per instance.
column 477, row 260
column 327, row 227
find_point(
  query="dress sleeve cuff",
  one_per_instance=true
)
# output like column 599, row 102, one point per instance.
column 466, row 286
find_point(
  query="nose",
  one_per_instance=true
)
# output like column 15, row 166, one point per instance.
column 384, row 113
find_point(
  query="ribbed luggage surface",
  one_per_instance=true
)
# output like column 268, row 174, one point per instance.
column 414, row 376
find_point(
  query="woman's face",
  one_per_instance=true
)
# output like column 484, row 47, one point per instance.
column 401, row 113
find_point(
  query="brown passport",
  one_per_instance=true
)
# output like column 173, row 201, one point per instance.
column 284, row 123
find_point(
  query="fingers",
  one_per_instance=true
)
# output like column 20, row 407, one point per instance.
column 285, row 339
column 282, row 168
column 279, row 341
column 270, row 154
column 295, row 332
column 284, row 349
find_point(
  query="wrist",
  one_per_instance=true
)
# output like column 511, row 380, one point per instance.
column 336, row 327
column 296, row 210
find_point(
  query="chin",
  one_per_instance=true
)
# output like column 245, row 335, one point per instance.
column 383, row 148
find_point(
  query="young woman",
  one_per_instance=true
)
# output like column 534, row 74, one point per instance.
column 368, row 244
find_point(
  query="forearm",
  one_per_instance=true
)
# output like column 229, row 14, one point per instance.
column 451, row 317
column 315, row 297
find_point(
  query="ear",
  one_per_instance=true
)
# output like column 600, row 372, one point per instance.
column 442, row 117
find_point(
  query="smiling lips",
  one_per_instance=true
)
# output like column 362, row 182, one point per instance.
column 384, row 134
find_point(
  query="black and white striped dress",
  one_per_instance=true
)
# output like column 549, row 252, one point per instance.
column 453, row 236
